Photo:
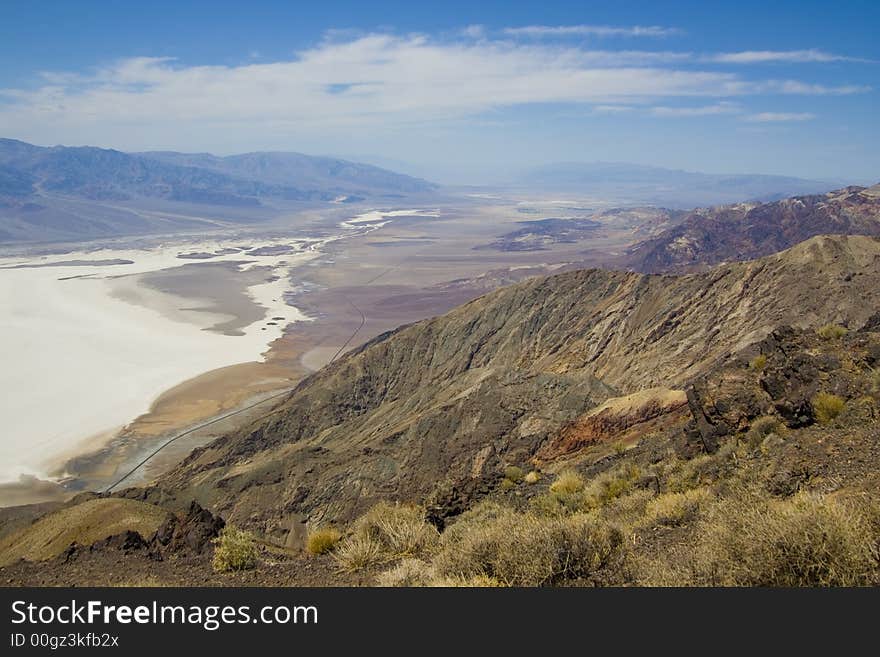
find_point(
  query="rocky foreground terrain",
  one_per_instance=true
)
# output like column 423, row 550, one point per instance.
column 593, row 427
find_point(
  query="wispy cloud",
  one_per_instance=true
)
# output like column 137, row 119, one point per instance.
column 779, row 117
column 704, row 110
column 550, row 31
column 474, row 32
column 781, row 56
column 613, row 109
column 375, row 80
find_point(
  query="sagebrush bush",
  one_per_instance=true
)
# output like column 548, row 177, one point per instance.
column 384, row 533
column 611, row 484
column 831, row 332
column 407, row 573
column 358, row 552
column 761, row 428
column 322, row 540
column 506, row 485
column 700, row 470
column 808, row 540
column 476, row 582
column 567, row 482
column 758, row 362
column 514, row 474
column 629, row 510
column 532, row 477
column 521, row 549
column 675, row 508
column 234, row 549
column 827, row 406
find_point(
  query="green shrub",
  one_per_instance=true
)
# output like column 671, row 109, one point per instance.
column 514, row 474
column 234, row 549
column 831, row 332
column 806, row 540
column 758, row 362
column 506, row 485
column 322, row 540
column 826, row 407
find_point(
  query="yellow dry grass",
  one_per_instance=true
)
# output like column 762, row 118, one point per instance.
column 84, row 524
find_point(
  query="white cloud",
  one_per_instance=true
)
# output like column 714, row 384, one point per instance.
column 613, row 109
column 376, row 81
column 474, row 32
column 542, row 31
column 779, row 117
column 806, row 89
column 704, row 110
column 780, row 56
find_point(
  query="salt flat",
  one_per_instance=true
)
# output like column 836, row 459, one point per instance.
column 82, row 357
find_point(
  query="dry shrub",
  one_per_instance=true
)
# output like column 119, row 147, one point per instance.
column 408, row 573
column 234, row 549
column 758, row 362
column 675, row 508
column 567, row 482
column 761, row 428
column 831, row 332
column 526, row 550
column 700, row 470
column 478, row 581
column 385, row 533
column 827, row 406
column 358, row 552
column 629, row 510
column 806, row 540
column 571, row 494
column 322, row 540
column 534, row 476
column 612, row 484
column 400, row 530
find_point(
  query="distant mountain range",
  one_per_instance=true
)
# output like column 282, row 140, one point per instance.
column 745, row 231
column 38, row 185
column 619, row 181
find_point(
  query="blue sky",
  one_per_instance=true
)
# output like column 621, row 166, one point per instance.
column 459, row 92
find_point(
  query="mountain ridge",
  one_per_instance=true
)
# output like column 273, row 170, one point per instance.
column 435, row 409
column 744, row 231
column 63, row 192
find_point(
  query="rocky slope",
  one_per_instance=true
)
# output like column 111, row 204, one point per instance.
column 750, row 230
column 434, row 411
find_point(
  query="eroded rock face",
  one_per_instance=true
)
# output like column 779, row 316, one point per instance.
column 613, row 419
